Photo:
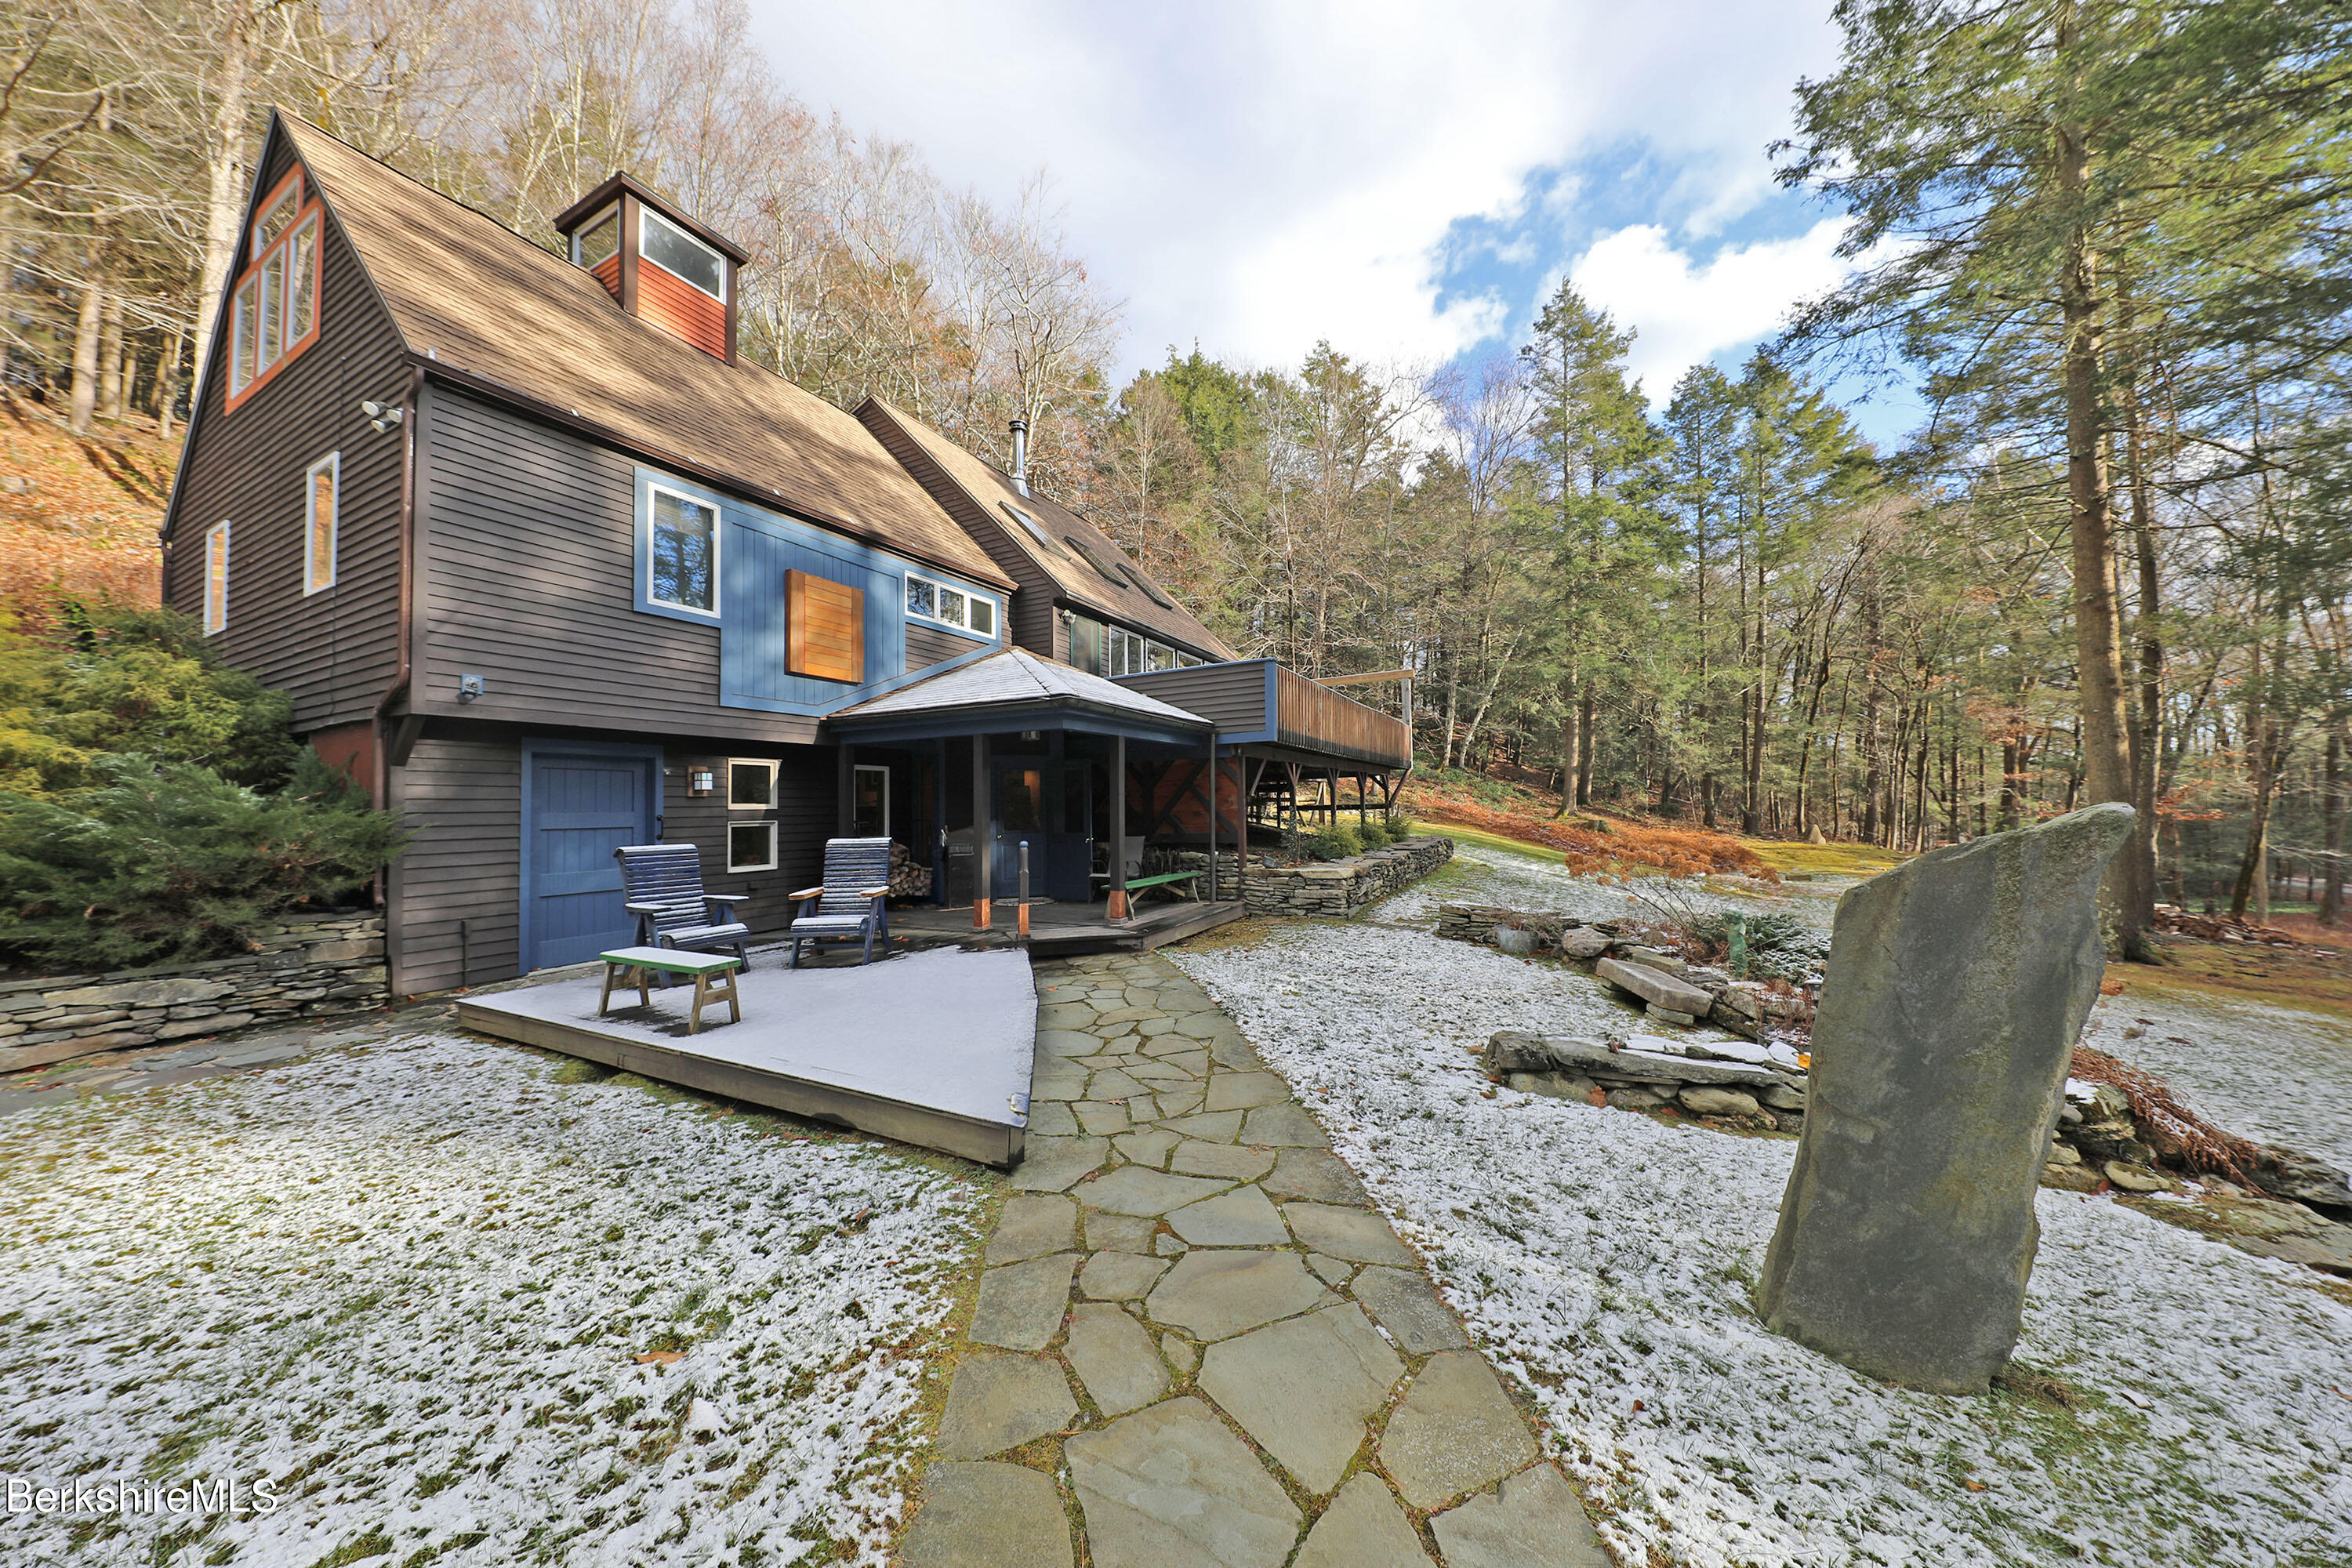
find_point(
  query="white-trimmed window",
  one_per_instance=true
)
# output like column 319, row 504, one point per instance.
column 682, row 553
column 751, row 846
column 751, row 783
column 597, row 240
column 322, row 488
column 869, row 801
column 275, row 309
column 679, row 254
column 931, row 600
column 216, row 577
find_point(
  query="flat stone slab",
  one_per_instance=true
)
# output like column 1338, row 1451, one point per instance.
column 1318, row 1175
column 1535, row 1522
column 1115, row 1359
column 1133, row 1190
column 1409, row 1307
column 1146, row 1148
column 1050, row 1165
column 1208, row 1126
column 1218, row 1294
column 1362, row 1528
column 1650, row 986
column 1020, row 1305
column 1455, row 1432
column 1241, row 1090
column 1514, row 1050
column 999, row 1402
column 1238, row 1218
column 1305, row 1388
column 1122, row 1232
column 986, row 1515
column 1283, row 1127
column 1194, row 1158
column 1359, row 1236
column 1171, row 1487
column 1120, row 1276
column 1033, row 1227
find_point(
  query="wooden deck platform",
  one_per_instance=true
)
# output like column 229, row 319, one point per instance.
column 1062, row 930
column 933, row 1047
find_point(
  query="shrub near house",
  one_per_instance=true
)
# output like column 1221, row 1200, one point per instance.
column 152, row 806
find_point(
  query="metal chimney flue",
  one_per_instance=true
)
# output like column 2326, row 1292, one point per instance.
column 1021, row 455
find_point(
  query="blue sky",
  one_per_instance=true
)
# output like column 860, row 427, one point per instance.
column 1407, row 181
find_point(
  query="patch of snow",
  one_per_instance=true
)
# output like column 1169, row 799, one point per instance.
column 2274, row 1074
column 1607, row 1262
column 408, row 1284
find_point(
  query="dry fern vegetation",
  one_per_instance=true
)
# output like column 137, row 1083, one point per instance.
column 78, row 514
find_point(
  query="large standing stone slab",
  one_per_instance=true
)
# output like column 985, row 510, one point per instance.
column 986, row 1515
column 1455, row 1432
column 1305, row 1388
column 1363, row 1528
column 1959, row 983
column 1218, row 1294
column 999, row 1402
column 1171, row 1487
column 1115, row 1359
column 1535, row 1521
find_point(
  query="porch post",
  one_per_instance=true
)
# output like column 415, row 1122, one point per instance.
column 1117, row 894
column 843, row 794
column 983, row 830
column 1213, row 889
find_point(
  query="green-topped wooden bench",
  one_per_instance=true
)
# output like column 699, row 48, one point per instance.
column 1168, row 880
column 706, row 968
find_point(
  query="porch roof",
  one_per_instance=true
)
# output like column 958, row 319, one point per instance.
column 1016, row 689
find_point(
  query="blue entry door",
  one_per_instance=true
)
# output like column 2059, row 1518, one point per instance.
column 578, row 807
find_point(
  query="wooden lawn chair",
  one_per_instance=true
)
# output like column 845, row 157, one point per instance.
column 849, row 907
column 662, row 884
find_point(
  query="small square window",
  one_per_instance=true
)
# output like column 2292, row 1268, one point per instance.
column 937, row 603
column 951, row 606
column 983, row 618
column 750, row 846
column 683, row 565
column 751, row 785
column 922, row 597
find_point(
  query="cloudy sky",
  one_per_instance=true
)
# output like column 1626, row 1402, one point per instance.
column 1408, row 181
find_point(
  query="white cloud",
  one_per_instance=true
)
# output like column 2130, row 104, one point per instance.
column 1687, row 313
column 1257, row 176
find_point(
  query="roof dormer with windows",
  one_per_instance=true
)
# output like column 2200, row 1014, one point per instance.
column 660, row 265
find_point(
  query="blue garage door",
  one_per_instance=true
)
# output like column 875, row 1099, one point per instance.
column 579, row 806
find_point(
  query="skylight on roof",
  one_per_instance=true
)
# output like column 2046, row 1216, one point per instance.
column 1149, row 589
column 1094, row 558
column 1036, row 530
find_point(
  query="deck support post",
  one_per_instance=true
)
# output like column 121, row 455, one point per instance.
column 1213, row 889
column 1116, row 901
column 984, row 831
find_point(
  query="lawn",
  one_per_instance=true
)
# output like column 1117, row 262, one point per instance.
column 451, row 1301
column 2177, row 1401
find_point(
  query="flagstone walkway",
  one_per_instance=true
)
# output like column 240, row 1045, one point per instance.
column 1198, row 1345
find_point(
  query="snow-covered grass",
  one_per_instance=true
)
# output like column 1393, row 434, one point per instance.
column 407, row 1286
column 1607, row 1261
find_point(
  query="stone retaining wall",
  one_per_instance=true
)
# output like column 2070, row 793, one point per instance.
column 1336, row 888
column 301, row 969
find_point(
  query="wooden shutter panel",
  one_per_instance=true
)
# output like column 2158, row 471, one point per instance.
column 825, row 628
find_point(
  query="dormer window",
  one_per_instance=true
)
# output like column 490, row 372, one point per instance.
column 657, row 262
column 681, row 255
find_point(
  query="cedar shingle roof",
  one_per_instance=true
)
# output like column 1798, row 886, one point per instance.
column 491, row 307
column 1092, row 575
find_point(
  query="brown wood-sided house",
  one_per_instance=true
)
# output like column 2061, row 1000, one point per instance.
column 551, row 570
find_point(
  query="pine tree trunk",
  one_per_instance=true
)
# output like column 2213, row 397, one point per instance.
column 225, row 171
column 1588, row 706
column 110, row 360
column 2331, row 806
column 2097, row 634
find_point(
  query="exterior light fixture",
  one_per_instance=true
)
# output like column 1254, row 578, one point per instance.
column 382, row 416
column 700, row 781
column 469, row 688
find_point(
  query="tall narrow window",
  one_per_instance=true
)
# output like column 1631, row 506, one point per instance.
column 323, row 488
column 217, row 578
column 684, row 560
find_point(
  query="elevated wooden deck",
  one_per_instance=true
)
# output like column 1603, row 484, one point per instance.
column 1261, row 707
column 1064, row 929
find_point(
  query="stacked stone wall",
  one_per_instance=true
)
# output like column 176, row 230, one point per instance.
column 1332, row 889
column 301, row 969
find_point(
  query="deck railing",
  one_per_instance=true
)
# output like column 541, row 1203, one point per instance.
column 1319, row 719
